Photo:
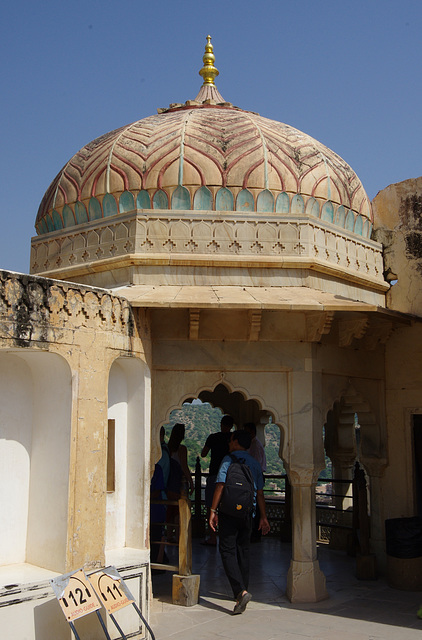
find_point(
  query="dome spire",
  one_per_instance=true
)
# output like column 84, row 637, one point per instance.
column 208, row 72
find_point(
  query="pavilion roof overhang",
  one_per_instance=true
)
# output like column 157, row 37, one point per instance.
column 247, row 298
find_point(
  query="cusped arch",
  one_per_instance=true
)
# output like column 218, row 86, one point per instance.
column 109, row 205
column 180, row 199
column 265, row 202
column 80, row 213
column 57, row 220
column 202, row 200
column 327, row 212
column 143, row 200
column 312, row 208
column 340, row 216
column 282, row 204
column 227, row 398
column 245, row 201
column 126, row 202
column 160, row 200
column 224, row 200
column 298, row 205
column 358, row 225
column 94, row 209
column 367, row 229
column 350, row 221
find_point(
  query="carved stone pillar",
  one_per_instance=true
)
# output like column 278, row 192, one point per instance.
column 305, row 580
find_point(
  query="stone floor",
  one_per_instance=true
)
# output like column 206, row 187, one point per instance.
column 356, row 610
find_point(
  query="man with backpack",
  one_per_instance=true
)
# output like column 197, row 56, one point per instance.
column 218, row 444
column 239, row 487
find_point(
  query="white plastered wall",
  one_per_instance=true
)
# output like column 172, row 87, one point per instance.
column 129, row 402
column 35, row 420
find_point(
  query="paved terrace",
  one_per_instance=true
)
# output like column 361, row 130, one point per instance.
column 356, row 610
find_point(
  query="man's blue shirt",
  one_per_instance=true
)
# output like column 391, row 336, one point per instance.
column 253, row 465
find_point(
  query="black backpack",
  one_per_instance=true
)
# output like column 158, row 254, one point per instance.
column 238, row 493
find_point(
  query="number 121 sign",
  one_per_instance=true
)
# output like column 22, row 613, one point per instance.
column 75, row 594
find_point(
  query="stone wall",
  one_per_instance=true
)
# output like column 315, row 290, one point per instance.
column 398, row 224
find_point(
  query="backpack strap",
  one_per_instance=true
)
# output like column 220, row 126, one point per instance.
column 236, row 459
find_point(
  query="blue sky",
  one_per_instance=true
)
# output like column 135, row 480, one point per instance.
column 347, row 72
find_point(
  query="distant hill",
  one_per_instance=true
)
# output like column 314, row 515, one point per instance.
column 202, row 419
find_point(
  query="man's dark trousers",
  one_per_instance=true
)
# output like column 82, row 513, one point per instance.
column 234, row 542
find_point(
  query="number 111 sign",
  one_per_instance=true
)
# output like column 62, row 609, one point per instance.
column 111, row 589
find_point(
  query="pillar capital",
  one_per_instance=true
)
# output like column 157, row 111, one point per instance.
column 303, row 476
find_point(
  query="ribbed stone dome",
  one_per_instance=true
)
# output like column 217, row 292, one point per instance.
column 206, row 155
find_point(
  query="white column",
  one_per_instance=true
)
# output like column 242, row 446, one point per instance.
column 305, row 580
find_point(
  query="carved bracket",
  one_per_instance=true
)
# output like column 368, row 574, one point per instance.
column 255, row 318
column 351, row 328
column 378, row 333
column 194, row 315
column 318, row 324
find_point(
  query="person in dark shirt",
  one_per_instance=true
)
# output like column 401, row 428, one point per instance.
column 235, row 532
column 218, row 444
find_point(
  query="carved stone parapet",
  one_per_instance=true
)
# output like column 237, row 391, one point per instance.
column 197, row 236
column 31, row 307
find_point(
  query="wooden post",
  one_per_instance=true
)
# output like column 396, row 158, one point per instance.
column 185, row 537
column 185, row 588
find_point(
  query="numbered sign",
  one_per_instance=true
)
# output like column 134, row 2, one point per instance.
column 75, row 594
column 111, row 589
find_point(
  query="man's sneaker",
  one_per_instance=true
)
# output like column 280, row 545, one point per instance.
column 240, row 605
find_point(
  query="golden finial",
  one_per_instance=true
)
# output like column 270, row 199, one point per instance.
column 208, row 71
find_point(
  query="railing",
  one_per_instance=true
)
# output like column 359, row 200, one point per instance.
column 182, row 537
column 338, row 512
column 334, row 505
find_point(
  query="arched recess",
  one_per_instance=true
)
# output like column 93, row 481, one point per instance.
column 348, row 438
column 353, row 433
column 129, row 391
column 35, row 426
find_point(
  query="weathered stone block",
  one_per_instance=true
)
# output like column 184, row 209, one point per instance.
column 186, row 590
